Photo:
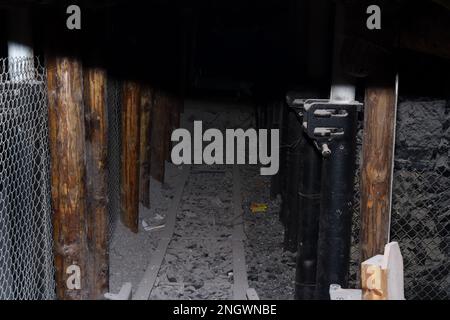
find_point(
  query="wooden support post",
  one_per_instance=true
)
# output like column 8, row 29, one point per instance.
column 130, row 155
column 68, row 174
column 175, row 105
column 159, row 134
column 377, row 163
column 96, row 178
column 146, row 106
column 170, row 115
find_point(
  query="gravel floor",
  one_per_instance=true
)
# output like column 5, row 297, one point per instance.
column 130, row 253
column 271, row 271
column 199, row 261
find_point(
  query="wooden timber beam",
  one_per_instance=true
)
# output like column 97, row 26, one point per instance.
column 170, row 114
column 175, row 106
column 131, row 107
column 377, row 162
column 78, row 146
column 146, row 110
column 160, row 136
column 443, row 3
column 426, row 31
column 417, row 26
column 96, row 130
column 68, row 175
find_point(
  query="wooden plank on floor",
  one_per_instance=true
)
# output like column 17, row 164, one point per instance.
column 148, row 280
column 251, row 294
column 240, row 285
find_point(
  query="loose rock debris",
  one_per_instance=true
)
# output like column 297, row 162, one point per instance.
column 199, row 260
column 199, row 256
column 271, row 271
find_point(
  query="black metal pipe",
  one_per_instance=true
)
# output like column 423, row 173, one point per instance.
column 293, row 171
column 283, row 163
column 338, row 172
column 309, row 206
column 275, row 185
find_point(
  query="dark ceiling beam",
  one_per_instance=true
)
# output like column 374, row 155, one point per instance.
column 427, row 31
column 417, row 26
column 444, row 3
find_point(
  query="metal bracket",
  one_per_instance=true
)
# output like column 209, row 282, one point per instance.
column 325, row 121
column 296, row 101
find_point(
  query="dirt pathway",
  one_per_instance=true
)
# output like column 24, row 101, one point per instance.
column 217, row 249
column 198, row 262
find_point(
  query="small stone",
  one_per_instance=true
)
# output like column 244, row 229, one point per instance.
column 253, row 277
column 189, row 289
column 198, row 284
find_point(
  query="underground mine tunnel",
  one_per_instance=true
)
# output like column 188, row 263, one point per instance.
column 224, row 150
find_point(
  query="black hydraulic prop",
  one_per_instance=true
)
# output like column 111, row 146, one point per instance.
column 326, row 195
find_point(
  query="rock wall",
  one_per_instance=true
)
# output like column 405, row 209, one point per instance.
column 421, row 196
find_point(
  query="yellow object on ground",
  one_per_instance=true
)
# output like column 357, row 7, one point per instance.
column 258, row 207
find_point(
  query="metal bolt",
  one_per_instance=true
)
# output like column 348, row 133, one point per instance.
column 326, row 152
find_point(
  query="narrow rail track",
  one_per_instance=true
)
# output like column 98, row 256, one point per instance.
column 146, row 285
column 201, row 252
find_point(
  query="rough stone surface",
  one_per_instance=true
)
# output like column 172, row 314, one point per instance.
column 420, row 126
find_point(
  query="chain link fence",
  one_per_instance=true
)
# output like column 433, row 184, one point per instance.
column 420, row 223
column 420, row 220
column 26, row 250
column 354, row 270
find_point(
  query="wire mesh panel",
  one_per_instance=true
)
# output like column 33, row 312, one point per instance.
column 355, row 261
column 420, row 222
column 420, row 219
column 114, row 102
column 26, row 257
